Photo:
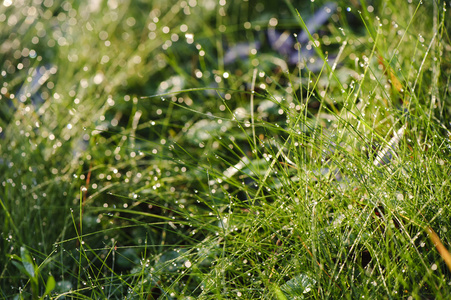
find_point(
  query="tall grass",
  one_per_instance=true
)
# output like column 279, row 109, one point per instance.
column 138, row 160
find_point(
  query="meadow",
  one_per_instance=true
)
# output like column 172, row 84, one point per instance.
column 200, row 149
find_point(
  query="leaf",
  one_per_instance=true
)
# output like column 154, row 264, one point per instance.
column 298, row 286
column 20, row 267
column 317, row 20
column 281, row 42
column 240, row 51
column 172, row 84
column 50, row 286
column 27, row 262
column 63, row 286
column 280, row 295
column 205, row 129
column 14, row 256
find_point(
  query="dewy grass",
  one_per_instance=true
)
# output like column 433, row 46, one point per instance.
column 246, row 177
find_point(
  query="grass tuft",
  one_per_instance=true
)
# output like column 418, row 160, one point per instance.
column 170, row 150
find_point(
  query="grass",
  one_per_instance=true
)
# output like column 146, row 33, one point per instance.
column 136, row 163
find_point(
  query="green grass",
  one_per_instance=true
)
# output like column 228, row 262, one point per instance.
column 141, row 166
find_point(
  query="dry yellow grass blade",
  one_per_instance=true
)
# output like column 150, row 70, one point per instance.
column 440, row 247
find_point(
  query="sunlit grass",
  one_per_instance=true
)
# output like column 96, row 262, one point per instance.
column 138, row 161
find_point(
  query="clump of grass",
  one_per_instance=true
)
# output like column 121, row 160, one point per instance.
column 254, row 179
